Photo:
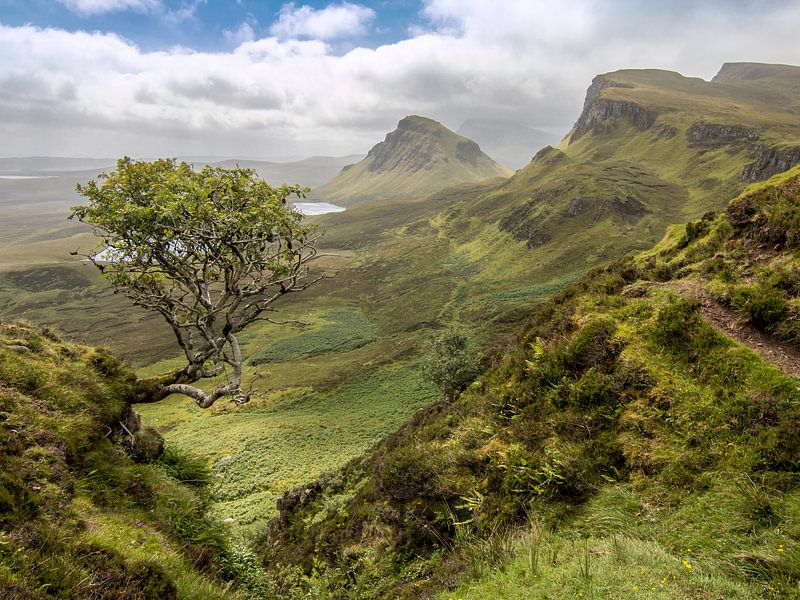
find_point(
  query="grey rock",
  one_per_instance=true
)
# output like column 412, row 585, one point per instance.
column 19, row 349
column 771, row 161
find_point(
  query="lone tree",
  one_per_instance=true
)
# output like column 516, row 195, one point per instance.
column 451, row 366
column 209, row 250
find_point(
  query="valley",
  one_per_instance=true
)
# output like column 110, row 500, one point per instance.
column 348, row 472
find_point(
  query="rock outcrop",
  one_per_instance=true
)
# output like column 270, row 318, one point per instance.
column 714, row 134
column 771, row 161
column 601, row 114
column 549, row 156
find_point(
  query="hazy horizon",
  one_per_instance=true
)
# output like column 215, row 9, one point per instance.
column 102, row 78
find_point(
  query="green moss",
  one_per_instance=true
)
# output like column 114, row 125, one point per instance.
column 63, row 471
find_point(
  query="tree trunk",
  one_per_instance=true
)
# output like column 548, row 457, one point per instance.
column 154, row 389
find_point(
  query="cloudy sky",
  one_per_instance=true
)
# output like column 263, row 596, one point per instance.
column 257, row 78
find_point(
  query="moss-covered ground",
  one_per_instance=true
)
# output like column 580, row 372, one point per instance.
column 79, row 518
column 621, row 447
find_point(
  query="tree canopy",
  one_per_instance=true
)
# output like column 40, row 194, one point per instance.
column 210, row 250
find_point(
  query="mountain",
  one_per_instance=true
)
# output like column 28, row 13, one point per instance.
column 418, row 158
column 743, row 71
column 638, row 434
column 650, row 148
column 481, row 258
column 512, row 144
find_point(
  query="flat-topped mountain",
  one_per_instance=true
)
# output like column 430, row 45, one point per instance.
column 650, row 148
column 743, row 71
column 310, row 172
column 418, row 158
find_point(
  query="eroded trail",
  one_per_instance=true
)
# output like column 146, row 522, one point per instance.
column 784, row 356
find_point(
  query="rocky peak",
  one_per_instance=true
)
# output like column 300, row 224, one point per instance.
column 600, row 83
column 419, row 124
column 420, row 143
column 419, row 157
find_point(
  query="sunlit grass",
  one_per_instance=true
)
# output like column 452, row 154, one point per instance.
column 259, row 452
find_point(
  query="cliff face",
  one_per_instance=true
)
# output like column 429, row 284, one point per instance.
column 771, row 161
column 601, row 115
column 710, row 134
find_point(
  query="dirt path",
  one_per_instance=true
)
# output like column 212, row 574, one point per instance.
column 784, row 356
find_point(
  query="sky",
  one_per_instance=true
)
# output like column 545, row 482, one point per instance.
column 275, row 80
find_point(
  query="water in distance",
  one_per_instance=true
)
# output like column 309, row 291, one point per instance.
column 316, row 208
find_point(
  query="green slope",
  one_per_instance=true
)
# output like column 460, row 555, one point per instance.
column 621, row 446
column 650, row 148
column 418, row 158
column 405, row 269
column 79, row 518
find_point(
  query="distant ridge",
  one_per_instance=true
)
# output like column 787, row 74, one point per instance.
column 308, row 172
column 508, row 142
column 54, row 163
column 420, row 157
column 744, row 71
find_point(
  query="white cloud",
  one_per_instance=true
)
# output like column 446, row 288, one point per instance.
column 240, row 35
column 332, row 22
column 529, row 61
column 96, row 7
column 185, row 12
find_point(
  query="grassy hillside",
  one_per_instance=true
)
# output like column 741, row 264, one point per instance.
column 418, row 158
column 477, row 256
column 88, row 508
column 621, row 446
column 352, row 374
column 651, row 148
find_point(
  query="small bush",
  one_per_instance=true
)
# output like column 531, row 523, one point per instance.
column 680, row 328
column 16, row 500
column 593, row 346
column 764, row 306
column 721, row 269
column 451, row 367
column 785, row 278
column 114, row 577
column 591, row 390
column 771, row 215
column 146, row 445
column 694, row 231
